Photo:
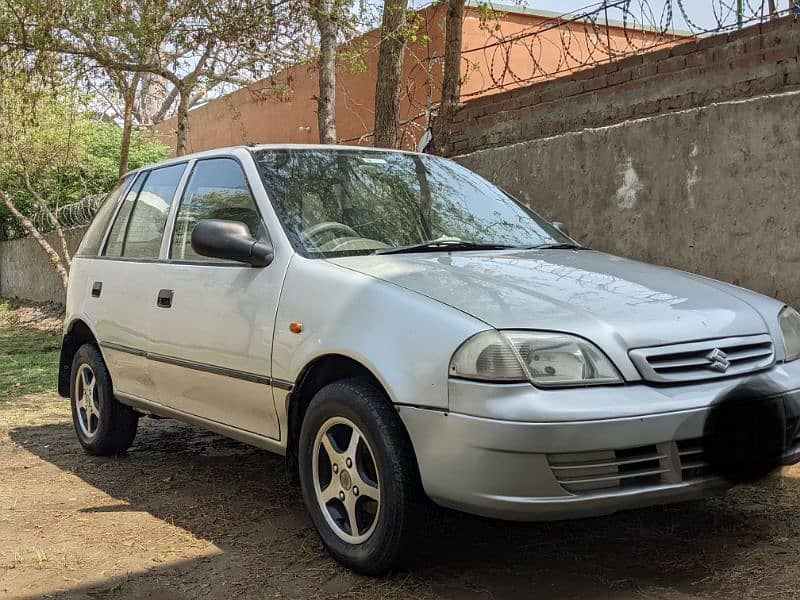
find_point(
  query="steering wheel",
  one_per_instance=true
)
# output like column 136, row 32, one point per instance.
column 313, row 232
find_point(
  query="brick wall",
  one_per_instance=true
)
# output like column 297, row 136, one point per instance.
column 756, row 60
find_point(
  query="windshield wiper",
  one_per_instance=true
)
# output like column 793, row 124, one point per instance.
column 557, row 247
column 434, row 245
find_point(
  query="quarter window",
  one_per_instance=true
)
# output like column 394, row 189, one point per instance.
column 90, row 244
column 217, row 189
column 117, row 236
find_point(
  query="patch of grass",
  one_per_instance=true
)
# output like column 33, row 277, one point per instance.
column 8, row 306
column 41, row 558
column 28, row 358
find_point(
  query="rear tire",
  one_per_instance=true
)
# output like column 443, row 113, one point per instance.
column 370, row 529
column 103, row 425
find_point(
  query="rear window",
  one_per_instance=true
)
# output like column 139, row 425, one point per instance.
column 93, row 238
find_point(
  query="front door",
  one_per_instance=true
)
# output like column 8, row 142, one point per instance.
column 212, row 336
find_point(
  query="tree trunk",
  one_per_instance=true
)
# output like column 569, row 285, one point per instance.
column 328, row 26
column 55, row 259
column 127, row 124
column 183, row 122
column 390, row 70
column 60, row 233
column 451, row 82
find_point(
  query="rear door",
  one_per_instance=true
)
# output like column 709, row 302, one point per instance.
column 122, row 303
column 212, row 345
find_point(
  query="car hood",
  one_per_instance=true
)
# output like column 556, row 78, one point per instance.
column 572, row 291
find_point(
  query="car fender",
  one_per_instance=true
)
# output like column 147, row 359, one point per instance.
column 404, row 338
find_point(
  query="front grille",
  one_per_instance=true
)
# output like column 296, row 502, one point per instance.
column 709, row 359
column 643, row 466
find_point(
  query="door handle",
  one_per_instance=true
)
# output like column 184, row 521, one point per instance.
column 97, row 288
column 164, row 299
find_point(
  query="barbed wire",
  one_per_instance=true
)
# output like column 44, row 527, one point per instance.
column 601, row 33
column 76, row 214
column 558, row 44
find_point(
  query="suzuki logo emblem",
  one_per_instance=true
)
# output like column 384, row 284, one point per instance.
column 718, row 360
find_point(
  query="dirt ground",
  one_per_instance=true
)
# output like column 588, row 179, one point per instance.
column 45, row 316
column 187, row 514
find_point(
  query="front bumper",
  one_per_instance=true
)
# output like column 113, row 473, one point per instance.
column 537, row 470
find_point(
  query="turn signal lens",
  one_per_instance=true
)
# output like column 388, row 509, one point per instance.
column 487, row 356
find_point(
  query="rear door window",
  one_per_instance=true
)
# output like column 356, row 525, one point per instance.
column 149, row 215
column 139, row 227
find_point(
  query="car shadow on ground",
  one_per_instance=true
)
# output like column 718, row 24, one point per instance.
column 238, row 498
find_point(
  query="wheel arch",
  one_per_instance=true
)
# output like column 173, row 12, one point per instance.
column 318, row 373
column 76, row 335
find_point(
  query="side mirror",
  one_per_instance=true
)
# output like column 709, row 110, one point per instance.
column 561, row 227
column 230, row 240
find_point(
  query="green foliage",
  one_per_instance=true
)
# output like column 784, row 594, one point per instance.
column 410, row 31
column 103, row 143
column 489, row 18
column 350, row 58
column 53, row 151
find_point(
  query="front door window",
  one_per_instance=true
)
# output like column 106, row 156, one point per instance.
column 217, row 189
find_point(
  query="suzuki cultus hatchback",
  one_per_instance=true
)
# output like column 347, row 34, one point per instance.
column 399, row 327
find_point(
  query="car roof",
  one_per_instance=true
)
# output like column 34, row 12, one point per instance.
column 251, row 147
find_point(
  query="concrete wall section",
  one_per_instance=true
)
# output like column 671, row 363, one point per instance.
column 26, row 272
column 712, row 190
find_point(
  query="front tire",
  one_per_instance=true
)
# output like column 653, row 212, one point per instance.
column 359, row 476
column 103, row 425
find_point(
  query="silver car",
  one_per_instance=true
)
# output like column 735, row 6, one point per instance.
column 402, row 330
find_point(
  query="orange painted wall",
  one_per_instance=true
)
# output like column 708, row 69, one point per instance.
column 555, row 50
column 249, row 116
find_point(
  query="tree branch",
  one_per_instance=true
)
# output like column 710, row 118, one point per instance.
column 50, row 216
column 55, row 259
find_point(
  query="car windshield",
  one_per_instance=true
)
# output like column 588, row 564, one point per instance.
column 339, row 202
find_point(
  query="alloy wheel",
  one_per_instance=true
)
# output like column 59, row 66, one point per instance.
column 346, row 483
column 87, row 401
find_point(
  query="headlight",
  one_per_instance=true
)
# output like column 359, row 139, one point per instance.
column 543, row 358
column 789, row 320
